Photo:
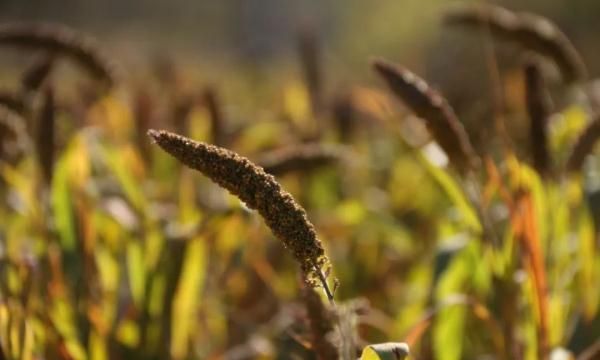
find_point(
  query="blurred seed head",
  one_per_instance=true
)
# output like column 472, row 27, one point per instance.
column 61, row 41
column 304, row 157
column 532, row 32
column 539, row 108
column 430, row 106
column 45, row 135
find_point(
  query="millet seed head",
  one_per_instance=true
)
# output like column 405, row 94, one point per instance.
column 258, row 190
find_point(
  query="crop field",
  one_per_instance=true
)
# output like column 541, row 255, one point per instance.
column 147, row 213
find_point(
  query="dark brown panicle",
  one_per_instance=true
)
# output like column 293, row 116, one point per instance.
column 258, row 190
column 45, row 135
column 539, row 108
column 60, row 40
column 302, row 157
column 429, row 105
column 530, row 31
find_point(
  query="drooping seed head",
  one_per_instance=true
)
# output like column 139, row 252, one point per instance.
column 45, row 135
column 433, row 108
column 302, row 157
column 530, row 31
column 60, row 40
column 258, row 190
column 539, row 108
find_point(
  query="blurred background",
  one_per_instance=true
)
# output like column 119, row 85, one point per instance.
column 265, row 30
column 221, row 42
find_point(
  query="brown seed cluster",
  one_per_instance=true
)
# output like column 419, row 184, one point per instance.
column 583, row 146
column 45, row 135
column 258, row 190
column 432, row 107
column 61, row 41
column 539, row 108
column 303, row 157
column 532, row 32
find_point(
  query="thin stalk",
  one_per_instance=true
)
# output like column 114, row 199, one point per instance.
column 324, row 283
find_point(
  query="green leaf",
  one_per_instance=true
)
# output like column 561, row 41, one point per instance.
column 588, row 274
column 109, row 271
column 568, row 129
column 128, row 333
column 385, row 351
column 351, row 212
column 448, row 332
column 187, row 297
column 61, row 205
column 454, row 193
column 62, row 316
column 71, row 176
column 135, row 269
column 129, row 184
column 449, row 325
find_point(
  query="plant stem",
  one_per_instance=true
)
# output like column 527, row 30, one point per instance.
column 324, row 283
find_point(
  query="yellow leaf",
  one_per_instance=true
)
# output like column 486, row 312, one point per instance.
column 568, row 128
column 97, row 344
column 454, row 193
column 128, row 333
column 385, row 351
column 296, row 103
column 351, row 212
column 185, row 303
column 135, row 269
